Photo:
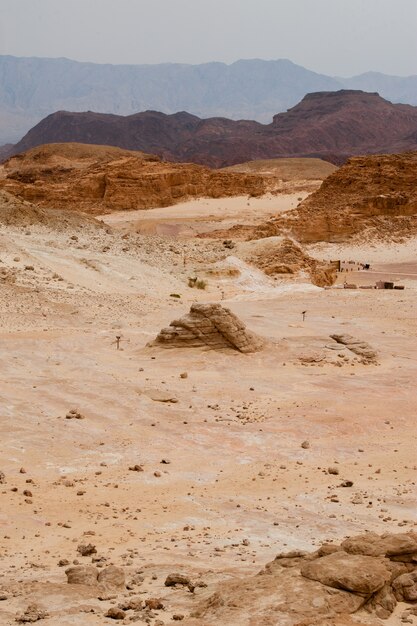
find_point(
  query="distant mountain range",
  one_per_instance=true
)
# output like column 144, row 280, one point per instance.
column 331, row 125
column 32, row 88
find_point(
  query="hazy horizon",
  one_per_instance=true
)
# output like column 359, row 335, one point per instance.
column 332, row 37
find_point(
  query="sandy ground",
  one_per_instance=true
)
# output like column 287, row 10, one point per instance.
column 225, row 483
column 203, row 215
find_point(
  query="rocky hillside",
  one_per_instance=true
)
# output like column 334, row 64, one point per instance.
column 99, row 179
column 32, row 88
column 330, row 125
column 368, row 197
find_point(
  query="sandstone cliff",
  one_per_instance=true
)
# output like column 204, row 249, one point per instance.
column 100, row 179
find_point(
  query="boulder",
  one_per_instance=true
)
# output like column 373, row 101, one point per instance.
column 82, row 575
column 210, row 326
column 179, row 579
column 356, row 573
column 405, row 587
column 112, row 576
column 389, row 545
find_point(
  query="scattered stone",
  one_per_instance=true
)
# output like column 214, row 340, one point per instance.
column 305, row 445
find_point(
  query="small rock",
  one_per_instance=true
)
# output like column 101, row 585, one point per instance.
column 154, row 604
column 86, row 550
column 305, row 445
column 115, row 613
column 33, row 613
column 136, row 468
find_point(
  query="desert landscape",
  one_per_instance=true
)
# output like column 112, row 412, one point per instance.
column 208, row 410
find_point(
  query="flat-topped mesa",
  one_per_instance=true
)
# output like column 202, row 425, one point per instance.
column 212, row 326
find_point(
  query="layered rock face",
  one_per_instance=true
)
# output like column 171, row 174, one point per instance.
column 210, row 326
column 368, row 573
column 99, row 179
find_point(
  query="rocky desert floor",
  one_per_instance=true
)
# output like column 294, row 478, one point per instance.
column 188, row 460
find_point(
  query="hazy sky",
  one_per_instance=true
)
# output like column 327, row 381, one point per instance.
column 338, row 37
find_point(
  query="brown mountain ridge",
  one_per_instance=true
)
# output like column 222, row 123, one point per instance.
column 330, row 125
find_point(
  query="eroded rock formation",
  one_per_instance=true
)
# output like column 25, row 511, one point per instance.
column 211, row 326
column 282, row 256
